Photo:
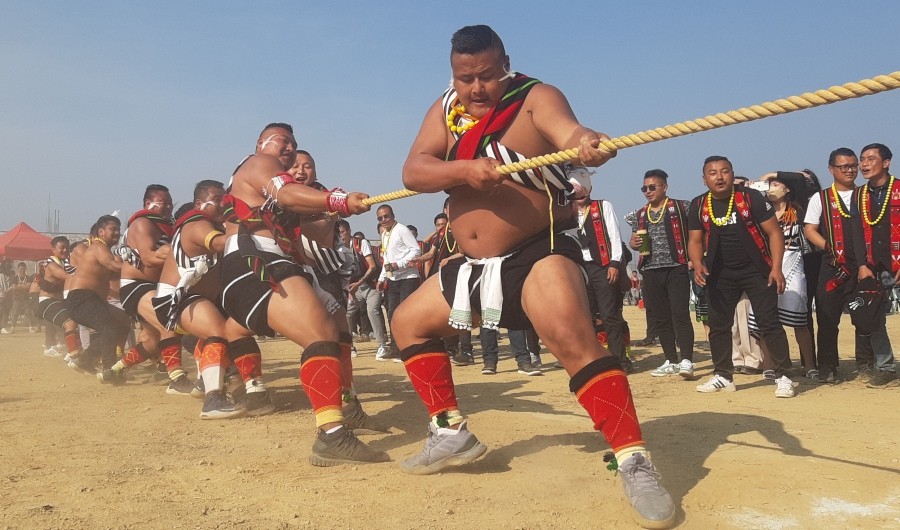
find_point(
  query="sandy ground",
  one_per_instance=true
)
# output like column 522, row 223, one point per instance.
column 76, row 454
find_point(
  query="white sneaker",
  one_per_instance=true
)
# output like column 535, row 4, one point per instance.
column 353, row 352
column 665, row 369
column 52, row 352
column 716, row 383
column 4, row 331
column 784, row 387
column 686, row 369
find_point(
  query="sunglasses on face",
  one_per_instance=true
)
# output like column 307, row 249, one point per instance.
column 383, row 218
column 650, row 187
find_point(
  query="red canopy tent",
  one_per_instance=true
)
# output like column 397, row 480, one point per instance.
column 24, row 243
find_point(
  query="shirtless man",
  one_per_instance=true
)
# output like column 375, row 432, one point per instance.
column 148, row 236
column 188, row 289
column 318, row 244
column 97, row 266
column 51, row 279
column 261, row 258
column 529, row 272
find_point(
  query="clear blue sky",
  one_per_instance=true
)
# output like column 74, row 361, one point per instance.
column 100, row 99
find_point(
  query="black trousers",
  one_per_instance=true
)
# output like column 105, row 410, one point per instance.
column 829, row 309
column 724, row 288
column 667, row 299
column 606, row 303
column 111, row 324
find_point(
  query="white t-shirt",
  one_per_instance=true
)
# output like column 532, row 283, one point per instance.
column 814, row 208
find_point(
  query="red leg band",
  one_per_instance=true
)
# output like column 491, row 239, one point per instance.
column 607, row 399
column 246, row 357
column 135, row 355
column 73, row 341
column 170, row 349
column 320, row 373
column 431, row 374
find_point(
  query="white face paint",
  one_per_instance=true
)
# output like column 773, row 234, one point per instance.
column 155, row 205
column 205, row 204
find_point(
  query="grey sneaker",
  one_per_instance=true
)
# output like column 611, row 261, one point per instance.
column 444, row 450
column 111, row 377
column 180, row 387
column 343, row 447
column 356, row 419
column 217, row 407
column 653, row 506
column 258, row 403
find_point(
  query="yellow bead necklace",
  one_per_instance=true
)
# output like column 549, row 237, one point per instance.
column 662, row 212
column 837, row 201
column 459, row 111
column 887, row 199
column 720, row 221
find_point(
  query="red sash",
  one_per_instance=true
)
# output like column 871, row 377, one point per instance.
column 495, row 121
column 742, row 207
column 282, row 223
column 834, row 227
column 164, row 225
column 600, row 232
column 196, row 215
column 893, row 195
column 676, row 218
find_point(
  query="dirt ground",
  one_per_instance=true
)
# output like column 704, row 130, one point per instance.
column 76, row 454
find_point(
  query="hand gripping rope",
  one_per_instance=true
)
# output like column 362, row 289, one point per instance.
column 807, row 100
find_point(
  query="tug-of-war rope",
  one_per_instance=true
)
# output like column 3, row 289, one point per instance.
column 808, row 100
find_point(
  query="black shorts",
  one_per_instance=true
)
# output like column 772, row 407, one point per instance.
column 168, row 313
column 245, row 296
column 55, row 311
column 131, row 295
column 513, row 272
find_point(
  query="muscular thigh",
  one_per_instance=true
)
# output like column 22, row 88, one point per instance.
column 424, row 314
column 296, row 312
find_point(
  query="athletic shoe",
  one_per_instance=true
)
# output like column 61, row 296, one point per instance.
column 665, row 369
column 217, row 407
column 52, row 352
column 812, row 374
column 161, row 375
column 865, row 373
column 82, row 364
column 386, row 354
column 444, row 448
column 770, row 375
column 529, row 370
column 462, row 359
column 112, row 377
column 258, row 403
column 536, row 360
column 199, row 390
column 489, row 369
column 4, row 331
column 343, row 447
column 881, row 379
column 716, row 383
column 353, row 352
column 653, row 506
column 686, row 369
column 828, row 375
column 356, row 419
column 751, row 370
column 784, row 387
column 645, row 342
column 181, row 386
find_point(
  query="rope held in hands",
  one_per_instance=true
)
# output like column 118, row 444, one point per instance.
column 808, row 100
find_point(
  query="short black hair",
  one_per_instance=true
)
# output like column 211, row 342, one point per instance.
column 658, row 173
column 476, row 39
column 386, row 207
column 441, row 215
column 341, row 223
column 102, row 222
column 412, row 228
column 304, row 152
column 717, row 158
column 202, row 188
column 59, row 239
column 153, row 189
column 183, row 209
column 277, row 125
column 840, row 151
column 882, row 150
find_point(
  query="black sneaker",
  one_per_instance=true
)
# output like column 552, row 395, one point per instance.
column 827, row 376
column 462, row 359
column 864, row 373
column 199, row 390
column 258, row 403
column 217, row 407
column 181, row 386
column 356, row 419
column 529, row 369
column 112, row 377
column 489, row 369
column 645, row 342
column 83, row 364
column 882, row 379
column 343, row 447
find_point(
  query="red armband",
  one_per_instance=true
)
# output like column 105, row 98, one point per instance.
column 338, row 203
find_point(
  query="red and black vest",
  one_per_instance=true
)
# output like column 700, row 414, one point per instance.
column 165, row 225
column 752, row 235
column 676, row 231
column 836, row 229
column 891, row 219
column 594, row 234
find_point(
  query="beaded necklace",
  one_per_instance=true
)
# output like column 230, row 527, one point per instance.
column 662, row 212
column 839, row 203
column 884, row 203
column 446, row 239
column 459, row 111
column 720, row 221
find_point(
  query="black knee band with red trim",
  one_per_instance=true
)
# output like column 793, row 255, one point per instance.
column 241, row 347
column 169, row 342
column 592, row 369
column 430, row 346
column 218, row 340
column 321, row 349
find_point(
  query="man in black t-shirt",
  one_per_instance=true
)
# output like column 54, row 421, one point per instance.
column 744, row 246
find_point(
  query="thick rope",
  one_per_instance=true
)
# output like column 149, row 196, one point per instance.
column 808, row 100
